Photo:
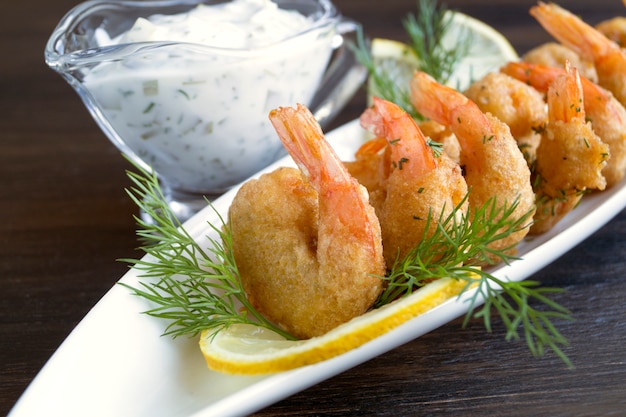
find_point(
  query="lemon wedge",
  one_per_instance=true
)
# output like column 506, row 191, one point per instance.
column 248, row 349
column 488, row 50
column 395, row 59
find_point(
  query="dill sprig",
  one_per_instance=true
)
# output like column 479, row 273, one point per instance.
column 513, row 300
column 455, row 249
column 192, row 288
column 196, row 289
column 426, row 30
column 384, row 80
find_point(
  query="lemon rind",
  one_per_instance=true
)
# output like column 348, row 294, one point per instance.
column 342, row 339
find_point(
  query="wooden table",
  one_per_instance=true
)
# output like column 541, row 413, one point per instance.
column 66, row 219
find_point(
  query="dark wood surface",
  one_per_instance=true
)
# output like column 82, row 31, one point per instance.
column 65, row 219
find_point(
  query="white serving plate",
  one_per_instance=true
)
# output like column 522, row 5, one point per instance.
column 116, row 363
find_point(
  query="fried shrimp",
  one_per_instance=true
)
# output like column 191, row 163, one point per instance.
column 414, row 183
column 607, row 56
column 495, row 169
column 614, row 29
column 606, row 114
column 515, row 103
column 570, row 156
column 368, row 167
column 553, row 54
column 307, row 242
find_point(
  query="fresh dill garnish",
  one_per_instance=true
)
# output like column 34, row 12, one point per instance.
column 386, row 84
column 455, row 249
column 437, row 147
column 426, row 30
column 196, row 289
column 512, row 301
column 192, row 288
column 184, row 93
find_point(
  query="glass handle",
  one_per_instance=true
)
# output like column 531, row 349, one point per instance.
column 345, row 75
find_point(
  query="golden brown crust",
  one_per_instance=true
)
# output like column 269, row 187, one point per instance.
column 515, row 103
column 305, row 286
column 554, row 54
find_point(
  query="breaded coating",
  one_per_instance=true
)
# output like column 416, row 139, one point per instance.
column 495, row 168
column 306, row 242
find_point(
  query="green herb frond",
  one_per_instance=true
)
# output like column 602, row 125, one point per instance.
column 437, row 147
column 456, row 249
column 513, row 302
column 426, row 30
column 192, row 288
column 196, row 289
column 386, row 85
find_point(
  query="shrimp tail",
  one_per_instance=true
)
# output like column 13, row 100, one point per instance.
column 449, row 107
column 541, row 77
column 410, row 148
column 538, row 76
column 342, row 198
column 565, row 97
column 571, row 31
column 303, row 138
column 433, row 100
column 372, row 147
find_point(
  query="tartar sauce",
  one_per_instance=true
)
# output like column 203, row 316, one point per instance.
column 199, row 115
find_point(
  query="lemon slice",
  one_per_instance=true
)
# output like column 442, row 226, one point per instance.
column 488, row 50
column 247, row 349
column 394, row 59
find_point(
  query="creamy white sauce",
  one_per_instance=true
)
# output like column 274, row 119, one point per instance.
column 239, row 24
column 200, row 117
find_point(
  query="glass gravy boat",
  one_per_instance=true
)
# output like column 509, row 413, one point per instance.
column 197, row 114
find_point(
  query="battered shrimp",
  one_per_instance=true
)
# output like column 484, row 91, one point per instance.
column 368, row 167
column 515, row 103
column 307, row 242
column 495, row 169
column 570, row 156
column 554, row 54
column 607, row 56
column 414, row 184
column 614, row 29
column 606, row 114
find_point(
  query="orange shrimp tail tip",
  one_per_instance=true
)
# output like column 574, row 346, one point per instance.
column 388, row 120
column 541, row 77
column 434, row 100
column 536, row 75
column 572, row 31
column 303, row 138
column 565, row 98
column 372, row 147
column 382, row 118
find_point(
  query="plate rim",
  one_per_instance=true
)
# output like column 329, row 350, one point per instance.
column 573, row 229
